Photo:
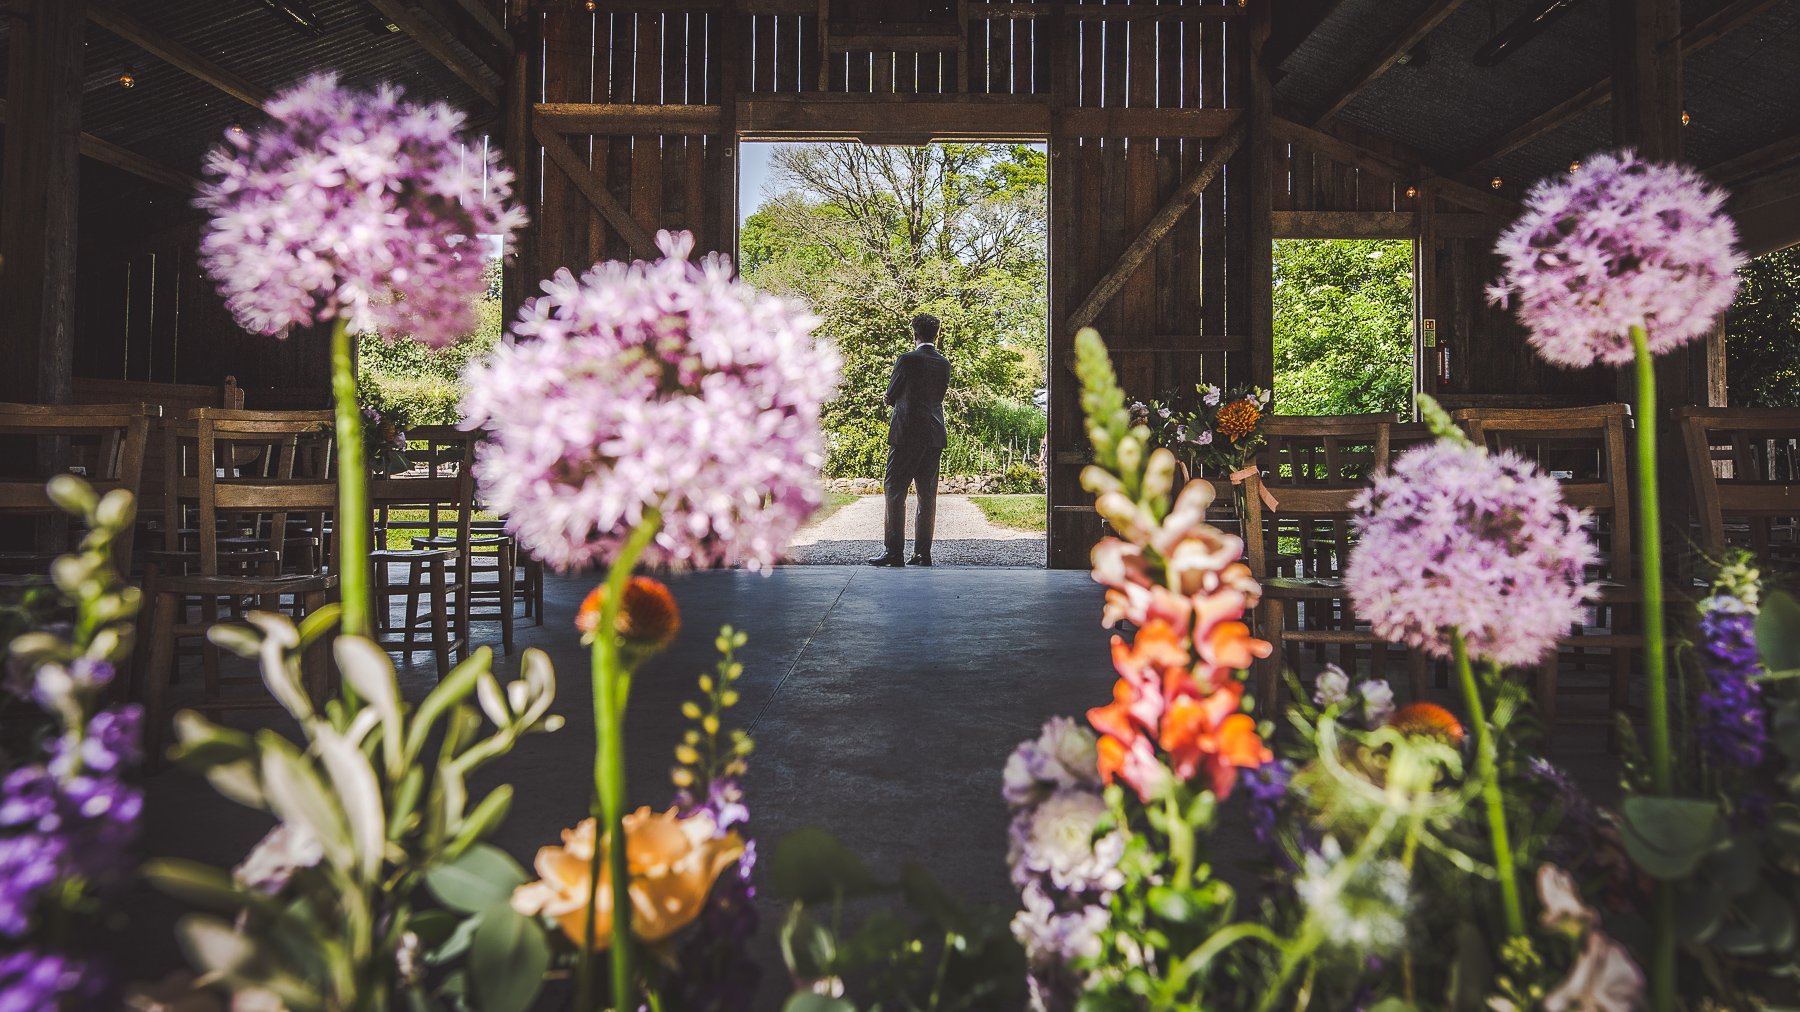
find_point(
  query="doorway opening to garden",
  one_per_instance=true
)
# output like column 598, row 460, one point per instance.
column 871, row 235
column 1344, row 327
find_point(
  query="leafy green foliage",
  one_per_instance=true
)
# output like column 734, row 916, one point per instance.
column 418, row 385
column 1762, row 333
column 1343, row 326
column 868, row 237
column 1019, row 512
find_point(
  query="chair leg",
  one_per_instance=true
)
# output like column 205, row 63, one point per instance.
column 317, row 666
column 440, row 618
column 1416, row 664
column 209, row 654
column 414, row 584
column 1268, row 673
column 507, row 596
column 140, row 647
column 1545, row 693
column 156, row 677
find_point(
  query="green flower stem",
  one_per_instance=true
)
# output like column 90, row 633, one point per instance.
column 611, row 677
column 1656, row 664
column 1490, row 790
column 1198, row 960
column 353, row 489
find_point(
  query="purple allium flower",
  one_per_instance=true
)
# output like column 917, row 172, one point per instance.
column 1731, row 725
column 353, row 206
column 1452, row 537
column 663, row 386
column 1267, row 787
column 1620, row 243
column 32, row 981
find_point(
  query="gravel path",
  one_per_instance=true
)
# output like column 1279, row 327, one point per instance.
column 964, row 537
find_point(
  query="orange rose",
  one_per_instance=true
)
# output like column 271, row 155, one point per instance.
column 648, row 619
column 673, row 863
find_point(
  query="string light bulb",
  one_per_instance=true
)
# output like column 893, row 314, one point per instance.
column 236, row 128
column 1494, row 182
column 593, row 5
column 1411, row 192
column 1575, row 166
column 1685, row 118
column 127, row 79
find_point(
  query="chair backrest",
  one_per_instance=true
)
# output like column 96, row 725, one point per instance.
column 1745, row 464
column 1323, row 450
column 1316, row 466
column 287, row 455
column 441, row 483
column 1584, row 449
column 103, row 442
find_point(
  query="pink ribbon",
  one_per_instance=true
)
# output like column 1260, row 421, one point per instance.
column 1268, row 498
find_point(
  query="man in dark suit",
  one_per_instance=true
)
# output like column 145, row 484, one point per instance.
column 916, row 438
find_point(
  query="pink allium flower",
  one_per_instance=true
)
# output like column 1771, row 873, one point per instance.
column 353, row 206
column 1619, row 243
column 1452, row 537
column 663, row 386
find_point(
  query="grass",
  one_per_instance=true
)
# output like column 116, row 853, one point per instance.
column 834, row 501
column 1020, row 512
column 401, row 539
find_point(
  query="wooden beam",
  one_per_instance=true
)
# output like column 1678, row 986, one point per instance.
column 1397, row 47
column 479, row 13
column 40, row 162
column 1297, row 24
column 892, row 119
column 640, row 240
column 1771, row 225
column 456, row 23
column 1646, row 79
column 621, row 118
column 1701, row 34
column 1339, row 150
column 434, row 44
column 1345, row 224
column 178, row 55
column 1129, row 122
column 1751, row 164
column 1154, row 231
column 102, row 150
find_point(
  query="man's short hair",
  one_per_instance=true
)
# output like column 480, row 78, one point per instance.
column 925, row 327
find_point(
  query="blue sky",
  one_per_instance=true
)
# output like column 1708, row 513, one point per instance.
column 753, row 173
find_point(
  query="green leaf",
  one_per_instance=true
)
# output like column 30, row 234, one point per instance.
column 455, row 687
column 1784, row 729
column 1778, row 632
column 1668, row 837
column 296, row 794
column 806, row 1001
column 481, row 877
column 202, row 885
column 812, row 866
column 1172, row 904
column 434, row 927
column 1767, row 927
column 808, row 949
column 507, row 960
column 923, row 894
column 488, row 814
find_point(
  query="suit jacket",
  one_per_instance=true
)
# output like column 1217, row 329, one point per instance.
column 916, row 393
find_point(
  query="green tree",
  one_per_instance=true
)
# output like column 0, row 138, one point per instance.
column 1762, row 333
column 869, row 236
column 1343, row 326
column 419, row 385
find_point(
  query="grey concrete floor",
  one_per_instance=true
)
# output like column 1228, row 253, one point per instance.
column 883, row 702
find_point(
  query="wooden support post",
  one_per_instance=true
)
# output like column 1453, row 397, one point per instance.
column 1647, row 77
column 1153, row 232
column 728, row 25
column 1259, row 159
column 642, row 243
column 42, row 168
column 518, row 269
column 1426, row 344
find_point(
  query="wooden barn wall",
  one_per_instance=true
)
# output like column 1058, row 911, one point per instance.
column 147, row 312
column 1182, row 317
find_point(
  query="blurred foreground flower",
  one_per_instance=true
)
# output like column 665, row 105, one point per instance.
column 354, row 206
column 673, row 862
column 665, row 389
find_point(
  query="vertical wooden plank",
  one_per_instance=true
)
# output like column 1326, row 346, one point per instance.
column 999, row 59
column 646, row 150
column 1237, row 203
column 42, row 169
column 1116, row 83
column 164, row 326
column 1258, row 143
column 1206, row 63
column 518, row 271
column 812, row 56
column 558, row 199
column 140, row 302
column 675, row 213
column 1019, row 33
column 722, row 152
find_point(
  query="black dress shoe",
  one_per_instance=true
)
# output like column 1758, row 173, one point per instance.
column 883, row 560
column 919, row 560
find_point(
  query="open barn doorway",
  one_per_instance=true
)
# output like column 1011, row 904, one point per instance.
column 1343, row 326
column 872, row 235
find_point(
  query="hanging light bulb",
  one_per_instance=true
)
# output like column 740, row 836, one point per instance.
column 1575, row 166
column 1411, row 192
column 593, row 5
column 236, row 128
column 1685, row 118
column 1494, row 182
column 127, row 79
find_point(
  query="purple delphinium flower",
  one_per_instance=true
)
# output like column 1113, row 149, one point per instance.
column 1453, row 537
column 1621, row 242
column 354, row 206
column 1267, row 788
column 32, row 981
column 717, row 972
column 1731, row 725
column 666, row 386
column 28, row 863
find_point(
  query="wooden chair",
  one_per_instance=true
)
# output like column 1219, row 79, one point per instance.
column 492, row 550
column 1745, row 464
column 1299, row 546
column 102, row 442
column 442, row 485
column 1584, row 448
column 288, row 479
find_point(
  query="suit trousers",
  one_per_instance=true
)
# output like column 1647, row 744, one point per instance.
column 917, row 466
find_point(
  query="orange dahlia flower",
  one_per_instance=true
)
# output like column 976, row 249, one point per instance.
column 648, row 619
column 1428, row 720
column 1238, row 419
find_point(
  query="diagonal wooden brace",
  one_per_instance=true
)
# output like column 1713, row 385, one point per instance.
column 642, row 243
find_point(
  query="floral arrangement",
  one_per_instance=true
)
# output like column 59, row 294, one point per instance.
column 69, row 813
column 1215, row 430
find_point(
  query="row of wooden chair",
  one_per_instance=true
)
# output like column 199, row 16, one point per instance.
column 1744, row 490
